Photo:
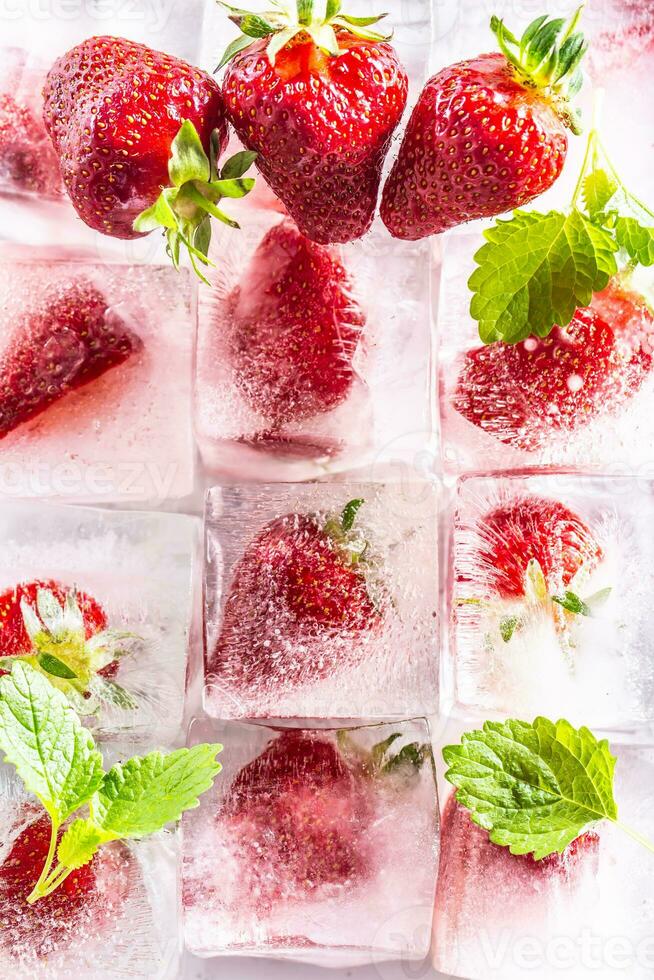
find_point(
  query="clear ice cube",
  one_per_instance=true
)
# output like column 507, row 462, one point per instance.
column 126, row 924
column 514, row 650
column 142, row 571
column 104, row 420
column 305, row 620
column 586, row 913
column 295, row 852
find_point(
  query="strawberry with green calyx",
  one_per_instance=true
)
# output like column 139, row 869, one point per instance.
column 487, row 135
column 304, row 598
column 533, row 552
column 317, row 97
column 537, row 787
column 538, row 272
column 57, row 760
column 137, row 134
column 63, row 634
column 305, row 806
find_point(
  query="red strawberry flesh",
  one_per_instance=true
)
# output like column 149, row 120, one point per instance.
column 65, row 341
column 294, row 328
column 14, row 638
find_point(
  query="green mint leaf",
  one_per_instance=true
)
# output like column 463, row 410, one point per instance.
column 238, row 164
column 533, row 787
column 79, row 844
column 636, row 239
column 142, row 795
column 188, row 161
column 53, row 665
column 535, row 270
column 43, row 738
column 598, row 188
column 508, row 626
column 572, row 603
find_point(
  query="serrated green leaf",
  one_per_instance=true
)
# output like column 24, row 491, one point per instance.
column 533, row 787
column 598, row 189
column 79, row 844
column 43, row 738
column 142, row 795
column 637, row 240
column 238, row 164
column 535, row 270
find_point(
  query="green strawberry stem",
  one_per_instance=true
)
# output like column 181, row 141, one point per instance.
column 282, row 24
column 547, row 59
column 184, row 210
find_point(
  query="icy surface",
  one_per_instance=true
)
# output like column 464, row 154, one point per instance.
column 125, row 435
column 127, row 925
column 142, row 569
column 265, row 659
column 593, row 670
column 588, row 914
column 298, row 855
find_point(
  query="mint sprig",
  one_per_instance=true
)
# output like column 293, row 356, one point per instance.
column 56, row 758
column 535, row 787
column 535, row 269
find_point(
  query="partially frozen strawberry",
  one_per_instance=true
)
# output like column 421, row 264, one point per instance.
column 294, row 329
column 64, row 634
column 87, row 900
column 66, row 340
column 27, row 161
column 524, row 393
column 482, row 886
column 302, row 579
column 528, row 529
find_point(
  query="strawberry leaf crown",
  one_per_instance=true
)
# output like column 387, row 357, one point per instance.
column 185, row 208
column 60, row 650
column 547, row 57
column 288, row 19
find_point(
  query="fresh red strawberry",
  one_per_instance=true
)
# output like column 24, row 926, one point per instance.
column 524, row 393
column 294, row 328
column 301, row 811
column 318, row 100
column 27, row 162
column 64, row 341
column 114, row 110
column 301, row 580
column 84, row 903
column 528, row 528
column 486, row 135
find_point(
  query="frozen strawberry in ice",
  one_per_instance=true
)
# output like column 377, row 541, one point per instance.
column 294, row 327
column 65, row 340
column 527, row 394
column 303, row 578
column 80, row 908
column 27, row 161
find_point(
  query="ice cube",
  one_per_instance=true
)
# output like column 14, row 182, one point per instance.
column 135, row 575
column 271, row 407
column 114, row 918
column 103, row 353
column 27, row 161
column 509, row 406
column 511, row 647
column 306, row 619
column 297, row 851
column 586, row 913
